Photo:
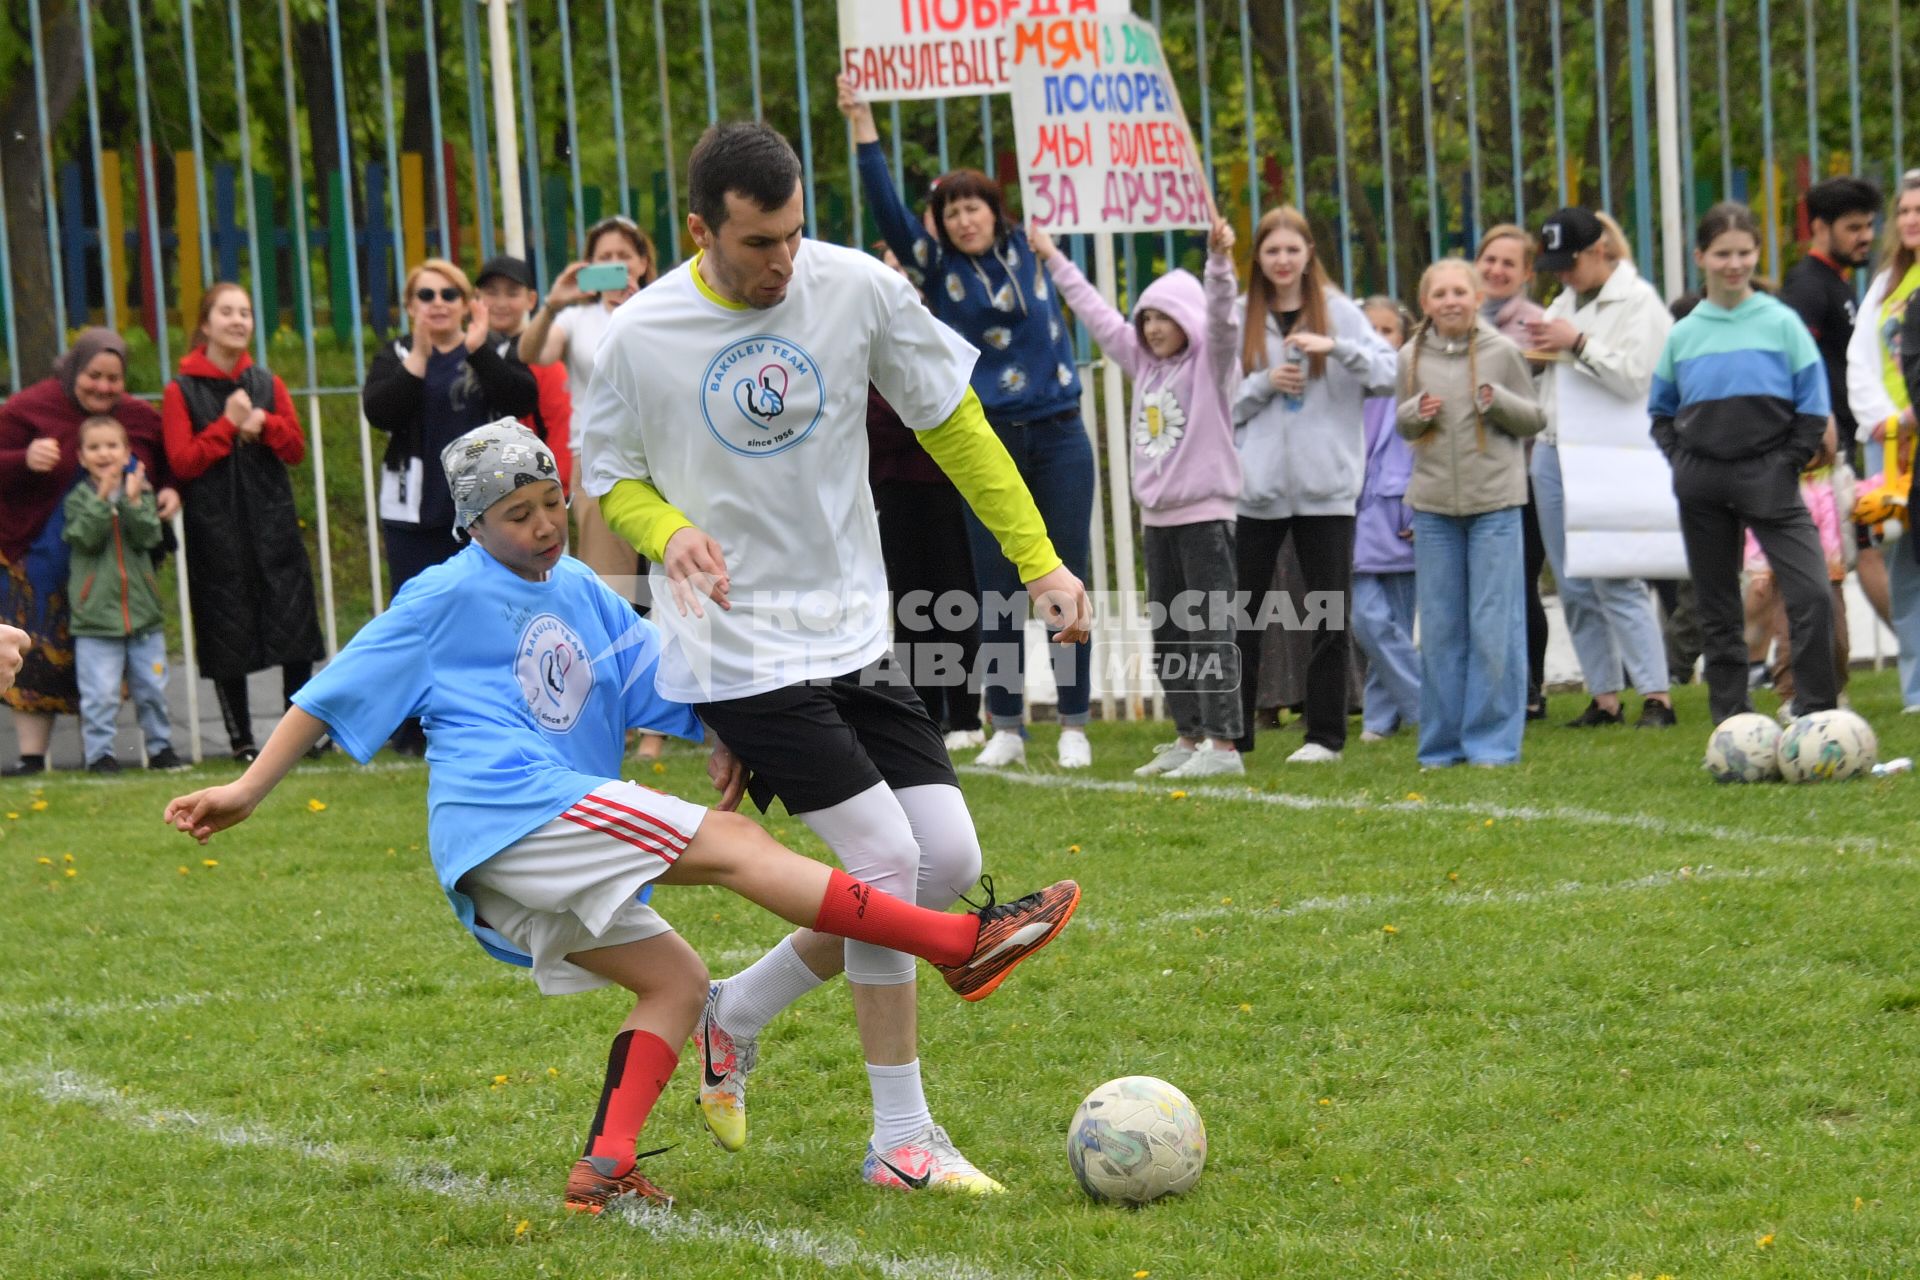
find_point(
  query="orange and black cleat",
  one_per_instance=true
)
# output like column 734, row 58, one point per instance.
column 1009, row 933
column 592, row 1185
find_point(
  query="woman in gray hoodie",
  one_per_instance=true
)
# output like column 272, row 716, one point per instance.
column 1309, row 360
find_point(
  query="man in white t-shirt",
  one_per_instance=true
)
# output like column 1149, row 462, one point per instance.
column 725, row 434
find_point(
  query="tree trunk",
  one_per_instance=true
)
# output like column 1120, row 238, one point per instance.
column 26, row 230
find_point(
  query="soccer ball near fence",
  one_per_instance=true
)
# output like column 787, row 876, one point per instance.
column 1136, row 1139
column 1744, row 748
column 1826, row 746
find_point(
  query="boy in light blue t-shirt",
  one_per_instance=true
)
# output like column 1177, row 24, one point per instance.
column 526, row 672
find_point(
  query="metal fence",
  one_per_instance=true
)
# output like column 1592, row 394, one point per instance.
column 1401, row 125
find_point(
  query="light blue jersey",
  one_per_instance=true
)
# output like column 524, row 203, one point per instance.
column 525, row 689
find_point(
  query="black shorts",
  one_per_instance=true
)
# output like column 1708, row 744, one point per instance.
column 815, row 745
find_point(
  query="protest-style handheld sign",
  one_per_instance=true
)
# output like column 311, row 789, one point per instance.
column 940, row 48
column 1104, row 142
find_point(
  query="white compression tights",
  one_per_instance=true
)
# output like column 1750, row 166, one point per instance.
column 917, row 843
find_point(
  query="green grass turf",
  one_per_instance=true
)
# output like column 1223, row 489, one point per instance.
column 1624, row 1022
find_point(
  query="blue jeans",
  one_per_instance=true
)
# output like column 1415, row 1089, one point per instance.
column 1471, row 572
column 101, row 662
column 1616, row 634
column 1056, row 462
column 1383, row 628
column 1903, row 592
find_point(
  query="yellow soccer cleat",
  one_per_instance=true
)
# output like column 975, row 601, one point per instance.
column 724, row 1063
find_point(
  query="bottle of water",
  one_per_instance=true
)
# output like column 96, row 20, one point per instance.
column 1288, row 400
column 1887, row 768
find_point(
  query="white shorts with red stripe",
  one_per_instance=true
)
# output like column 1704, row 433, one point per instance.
column 571, row 885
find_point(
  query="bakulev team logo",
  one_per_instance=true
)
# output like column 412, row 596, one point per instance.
column 762, row 395
column 555, row 672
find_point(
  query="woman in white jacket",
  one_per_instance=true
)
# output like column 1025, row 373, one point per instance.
column 1610, row 325
column 1878, row 396
column 1309, row 361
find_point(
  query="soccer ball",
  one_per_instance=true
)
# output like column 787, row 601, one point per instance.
column 1136, row 1139
column 1744, row 748
column 1827, row 746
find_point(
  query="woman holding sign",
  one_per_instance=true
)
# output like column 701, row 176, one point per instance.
column 980, row 276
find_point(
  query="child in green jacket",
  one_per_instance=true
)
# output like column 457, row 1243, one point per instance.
column 112, row 525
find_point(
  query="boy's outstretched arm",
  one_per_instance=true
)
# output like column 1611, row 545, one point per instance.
column 216, row 808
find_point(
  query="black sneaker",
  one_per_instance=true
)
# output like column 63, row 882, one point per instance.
column 1655, row 715
column 26, row 768
column 105, row 764
column 1538, row 711
column 1594, row 716
column 247, row 754
column 165, row 761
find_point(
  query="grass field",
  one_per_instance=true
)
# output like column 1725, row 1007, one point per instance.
column 1589, row 1017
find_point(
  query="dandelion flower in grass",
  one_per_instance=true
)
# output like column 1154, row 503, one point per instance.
column 1246, row 1008
column 184, row 871
column 316, row 806
column 1388, row 929
column 66, row 857
column 209, row 862
column 1414, row 797
column 1073, row 848
column 1764, row 1242
column 521, row 1229
column 1177, row 795
column 1487, row 823
column 1141, row 1275
column 45, row 862
column 659, row 766
column 38, row 806
column 1453, row 877
column 12, row 816
column 553, row 1073
column 71, row 873
column 1326, row 1102
column 500, row 1079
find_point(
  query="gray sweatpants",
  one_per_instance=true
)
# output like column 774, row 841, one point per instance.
column 1717, row 499
column 1190, row 584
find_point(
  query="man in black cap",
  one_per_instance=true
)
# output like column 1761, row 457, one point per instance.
column 505, row 290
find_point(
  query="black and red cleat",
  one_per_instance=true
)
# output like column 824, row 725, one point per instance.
column 1009, row 933
column 592, row 1185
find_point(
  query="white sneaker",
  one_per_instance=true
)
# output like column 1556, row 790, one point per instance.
column 1005, row 747
column 1167, row 757
column 965, row 739
column 926, row 1161
column 1369, row 735
column 1074, row 751
column 1313, row 753
column 1912, row 710
column 1208, row 763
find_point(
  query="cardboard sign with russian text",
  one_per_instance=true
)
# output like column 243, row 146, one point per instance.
column 940, row 48
column 1104, row 142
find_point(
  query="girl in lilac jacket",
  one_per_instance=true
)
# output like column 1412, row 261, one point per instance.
column 1383, row 591
column 1179, row 348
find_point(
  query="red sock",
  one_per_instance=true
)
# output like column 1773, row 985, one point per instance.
column 855, row 909
column 637, row 1070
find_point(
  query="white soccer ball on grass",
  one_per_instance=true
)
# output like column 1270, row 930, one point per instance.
column 1744, row 748
column 1136, row 1139
column 1827, row 746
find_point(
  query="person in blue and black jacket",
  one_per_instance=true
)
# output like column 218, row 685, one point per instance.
column 1739, row 406
column 979, row 275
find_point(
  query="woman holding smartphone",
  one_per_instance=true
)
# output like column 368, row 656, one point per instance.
column 620, row 262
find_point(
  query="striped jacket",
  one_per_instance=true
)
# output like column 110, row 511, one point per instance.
column 1740, row 384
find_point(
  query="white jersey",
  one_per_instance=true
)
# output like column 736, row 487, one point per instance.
column 753, row 423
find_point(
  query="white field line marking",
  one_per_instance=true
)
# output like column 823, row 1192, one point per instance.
column 1564, row 890
column 68, row 1007
column 1512, row 813
column 793, row 1243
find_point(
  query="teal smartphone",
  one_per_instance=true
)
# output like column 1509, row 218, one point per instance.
column 602, row 277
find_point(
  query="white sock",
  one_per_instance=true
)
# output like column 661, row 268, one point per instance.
column 899, row 1104
column 750, row 999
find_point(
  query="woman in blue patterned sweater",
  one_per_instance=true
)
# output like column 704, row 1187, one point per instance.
column 979, row 275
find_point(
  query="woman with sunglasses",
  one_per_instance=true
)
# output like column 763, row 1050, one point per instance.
column 425, row 390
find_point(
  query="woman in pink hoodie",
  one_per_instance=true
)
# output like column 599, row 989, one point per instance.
column 1179, row 349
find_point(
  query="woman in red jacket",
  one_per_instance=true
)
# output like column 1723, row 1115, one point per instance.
column 231, row 433
column 39, row 461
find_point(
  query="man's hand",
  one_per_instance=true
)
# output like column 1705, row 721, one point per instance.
column 696, row 567
column 729, row 776
column 212, row 809
column 14, row 644
column 1060, row 601
column 166, row 503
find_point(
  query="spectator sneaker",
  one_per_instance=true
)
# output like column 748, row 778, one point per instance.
column 1073, row 750
column 1208, row 763
column 1167, row 757
column 105, row 764
column 592, row 1185
column 164, row 761
column 966, row 739
column 926, row 1161
column 1655, row 715
column 1312, row 753
column 1009, row 933
column 1005, row 747
column 724, row 1063
column 1594, row 717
